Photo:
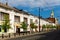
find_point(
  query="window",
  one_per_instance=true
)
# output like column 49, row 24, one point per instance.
column 2, row 14
column 36, row 21
column 17, row 18
column 25, row 20
column 31, row 20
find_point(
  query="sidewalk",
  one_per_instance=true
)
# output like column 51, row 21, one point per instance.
column 12, row 36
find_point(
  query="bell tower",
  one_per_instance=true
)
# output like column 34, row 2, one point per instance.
column 52, row 14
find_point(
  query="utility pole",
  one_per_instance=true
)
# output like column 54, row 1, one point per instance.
column 39, row 19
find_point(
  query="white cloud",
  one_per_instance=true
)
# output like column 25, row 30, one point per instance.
column 33, row 3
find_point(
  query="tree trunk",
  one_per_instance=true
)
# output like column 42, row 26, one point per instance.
column 35, row 30
column 5, row 30
column 31, row 30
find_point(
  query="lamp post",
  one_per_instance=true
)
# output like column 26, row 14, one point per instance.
column 39, row 19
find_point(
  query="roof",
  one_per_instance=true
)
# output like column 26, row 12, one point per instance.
column 47, row 20
column 8, row 7
column 13, row 8
column 22, row 11
column 51, row 19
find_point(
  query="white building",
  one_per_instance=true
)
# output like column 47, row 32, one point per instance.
column 16, row 17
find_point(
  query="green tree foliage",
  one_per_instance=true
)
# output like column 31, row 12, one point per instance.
column 35, row 26
column 24, row 25
column 6, row 23
column 32, row 25
column 43, row 26
column 58, row 27
column 49, row 27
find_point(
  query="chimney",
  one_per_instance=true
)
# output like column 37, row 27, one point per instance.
column 6, row 3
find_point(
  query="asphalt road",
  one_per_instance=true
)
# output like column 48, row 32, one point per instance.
column 55, row 35
column 31, row 37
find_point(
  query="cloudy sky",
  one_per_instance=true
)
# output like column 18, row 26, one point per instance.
column 32, row 6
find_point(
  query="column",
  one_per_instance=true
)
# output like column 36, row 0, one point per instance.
column 21, row 18
column 11, row 16
column 28, row 28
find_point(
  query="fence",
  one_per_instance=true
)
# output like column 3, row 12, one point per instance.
column 9, row 35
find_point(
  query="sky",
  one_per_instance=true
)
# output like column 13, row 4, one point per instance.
column 32, row 6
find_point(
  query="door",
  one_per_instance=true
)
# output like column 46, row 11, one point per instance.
column 17, row 30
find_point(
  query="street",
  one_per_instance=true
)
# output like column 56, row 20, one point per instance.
column 31, row 37
column 54, row 35
column 28, row 36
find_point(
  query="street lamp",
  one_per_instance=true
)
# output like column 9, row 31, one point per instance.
column 39, row 19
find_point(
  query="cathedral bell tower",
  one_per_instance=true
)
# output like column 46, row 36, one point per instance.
column 52, row 14
column 52, row 18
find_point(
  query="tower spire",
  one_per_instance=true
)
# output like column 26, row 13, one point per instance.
column 52, row 14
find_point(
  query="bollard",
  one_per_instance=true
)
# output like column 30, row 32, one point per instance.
column 23, row 33
column 19, row 34
column 26, row 33
column 2, row 35
column 29, row 32
column 9, row 35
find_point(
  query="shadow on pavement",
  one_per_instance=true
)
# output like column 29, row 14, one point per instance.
column 54, row 35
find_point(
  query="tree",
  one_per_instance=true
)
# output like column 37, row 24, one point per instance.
column 58, row 27
column 6, row 23
column 32, row 25
column 24, row 26
column 35, row 26
column 53, row 27
column 43, row 27
column 46, row 26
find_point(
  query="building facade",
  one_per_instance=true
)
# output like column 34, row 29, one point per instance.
column 17, row 16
